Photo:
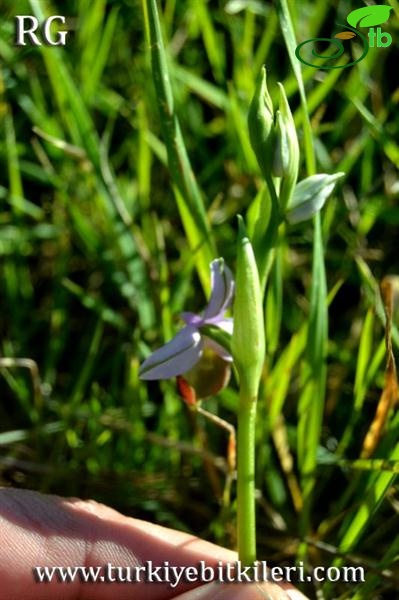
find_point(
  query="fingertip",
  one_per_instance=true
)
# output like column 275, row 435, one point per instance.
column 236, row 591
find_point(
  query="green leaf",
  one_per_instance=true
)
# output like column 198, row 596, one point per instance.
column 369, row 16
column 187, row 192
column 287, row 29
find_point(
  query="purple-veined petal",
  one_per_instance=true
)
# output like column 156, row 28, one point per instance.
column 174, row 358
column 222, row 290
column 220, row 351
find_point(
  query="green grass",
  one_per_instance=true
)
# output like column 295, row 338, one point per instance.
column 110, row 214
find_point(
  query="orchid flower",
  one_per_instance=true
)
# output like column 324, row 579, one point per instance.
column 185, row 350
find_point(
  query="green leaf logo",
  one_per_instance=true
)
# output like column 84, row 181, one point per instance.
column 369, row 16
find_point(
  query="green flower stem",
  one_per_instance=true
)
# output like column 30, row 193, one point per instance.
column 246, row 531
column 248, row 348
column 266, row 247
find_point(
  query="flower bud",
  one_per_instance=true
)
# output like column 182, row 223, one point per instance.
column 248, row 340
column 286, row 154
column 310, row 196
column 260, row 124
column 274, row 139
column 280, row 163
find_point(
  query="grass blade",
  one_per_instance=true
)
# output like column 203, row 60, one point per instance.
column 189, row 199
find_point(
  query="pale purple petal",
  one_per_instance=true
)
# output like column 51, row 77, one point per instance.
column 227, row 325
column 176, row 357
column 220, row 351
column 222, row 291
column 192, row 319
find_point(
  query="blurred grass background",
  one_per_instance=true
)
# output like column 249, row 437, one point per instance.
column 95, row 266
